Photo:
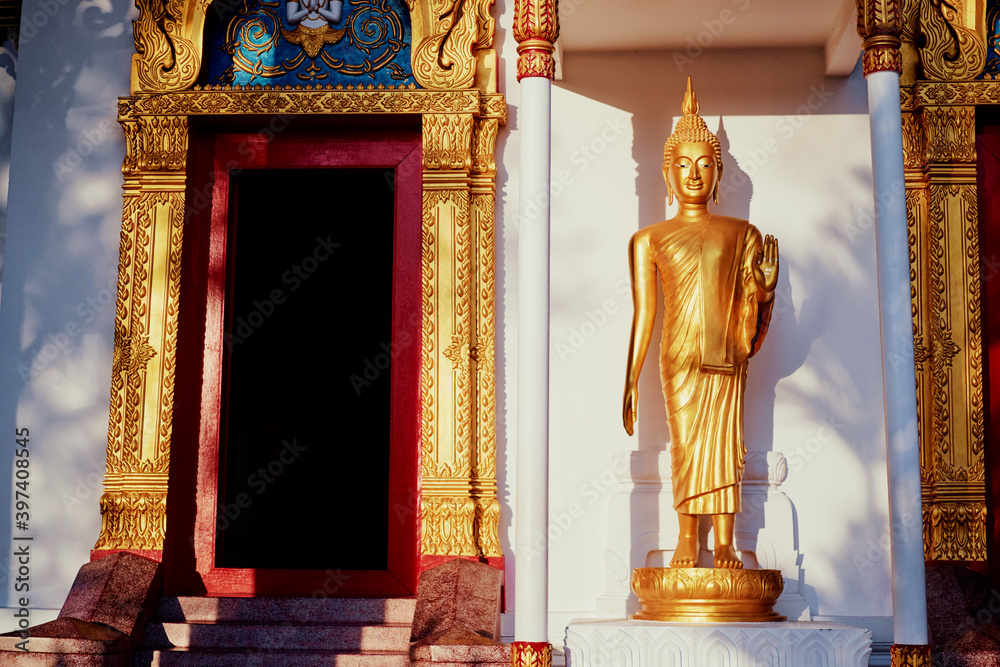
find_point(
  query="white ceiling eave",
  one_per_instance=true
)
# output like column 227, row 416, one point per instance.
column 695, row 26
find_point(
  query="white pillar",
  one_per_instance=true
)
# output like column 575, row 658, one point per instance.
column 899, row 387
column 531, row 504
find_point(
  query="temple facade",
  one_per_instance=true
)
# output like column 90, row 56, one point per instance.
column 267, row 316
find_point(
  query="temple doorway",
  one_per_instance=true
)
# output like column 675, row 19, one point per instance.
column 304, row 454
column 305, row 270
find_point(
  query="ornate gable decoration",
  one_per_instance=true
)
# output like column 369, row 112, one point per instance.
column 280, row 42
column 448, row 42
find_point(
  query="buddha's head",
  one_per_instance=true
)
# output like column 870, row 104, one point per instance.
column 692, row 157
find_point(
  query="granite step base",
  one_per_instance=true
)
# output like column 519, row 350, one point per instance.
column 329, row 611
column 180, row 657
column 260, row 636
column 306, row 632
column 22, row 659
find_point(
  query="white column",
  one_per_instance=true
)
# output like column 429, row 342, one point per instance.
column 531, row 505
column 899, row 387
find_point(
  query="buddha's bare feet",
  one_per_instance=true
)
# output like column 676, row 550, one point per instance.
column 726, row 557
column 686, row 553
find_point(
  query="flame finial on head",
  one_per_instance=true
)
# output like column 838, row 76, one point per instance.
column 692, row 128
column 690, row 105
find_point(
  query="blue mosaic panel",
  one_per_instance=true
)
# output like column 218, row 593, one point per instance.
column 298, row 42
column 992, row 69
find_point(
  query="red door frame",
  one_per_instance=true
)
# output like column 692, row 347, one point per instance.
column 987, row 148
column 189, row 549
column 988, row 189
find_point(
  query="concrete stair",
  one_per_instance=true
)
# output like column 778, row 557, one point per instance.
column 224, row 632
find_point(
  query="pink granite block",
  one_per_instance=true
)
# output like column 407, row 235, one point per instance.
column 963, row 617
column 68, row 635
column 459, row 646
column 459, row 593
column 22, row 659
column 116, row 590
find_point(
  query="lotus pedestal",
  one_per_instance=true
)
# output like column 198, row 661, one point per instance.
column 706, row 595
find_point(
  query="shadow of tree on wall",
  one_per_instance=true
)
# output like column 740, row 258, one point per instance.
column 60, row 270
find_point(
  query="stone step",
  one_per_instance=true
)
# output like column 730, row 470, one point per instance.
column 343, row 637
column 180, row 657
column 314, row 611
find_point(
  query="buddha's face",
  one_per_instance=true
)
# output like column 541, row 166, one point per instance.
column 692, row 172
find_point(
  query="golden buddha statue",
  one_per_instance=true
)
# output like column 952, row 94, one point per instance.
column 718, row 276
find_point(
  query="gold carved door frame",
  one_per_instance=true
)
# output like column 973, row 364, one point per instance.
column 455, row 64
column 943, row 52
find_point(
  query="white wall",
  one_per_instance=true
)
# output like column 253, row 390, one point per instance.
column 798, row 165
column 59, row 272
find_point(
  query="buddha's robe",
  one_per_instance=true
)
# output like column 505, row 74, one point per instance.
column 713, row 322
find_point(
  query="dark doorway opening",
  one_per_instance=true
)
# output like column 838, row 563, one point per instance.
column 303, row 474
column 296, row 461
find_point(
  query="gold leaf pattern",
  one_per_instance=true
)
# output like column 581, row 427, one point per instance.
column 964, row 93
column 950, row 52
column 914, row 150
column 229, row 100
column 447, row 142
column 950, row 134
column 881, row 59
column 168, row 57
column 133, row 520
column 531, row 654
column 902, row 655
column 443, row 40
column 447, row 523
column 132, row 354
column 957, row 531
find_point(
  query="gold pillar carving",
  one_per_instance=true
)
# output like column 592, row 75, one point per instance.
column 448, row 508
column 460, row 510
column 530, row 654
column 915, row 174
column 904, row 655
column 133, row 506
column 536, row 28
column 943, row 46
column 880, row 23
column 482, row 205
column 954, row 473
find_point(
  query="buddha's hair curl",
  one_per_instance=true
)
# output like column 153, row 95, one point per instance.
column 691, row 128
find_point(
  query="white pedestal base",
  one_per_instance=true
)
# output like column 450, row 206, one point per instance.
column 620, row 643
